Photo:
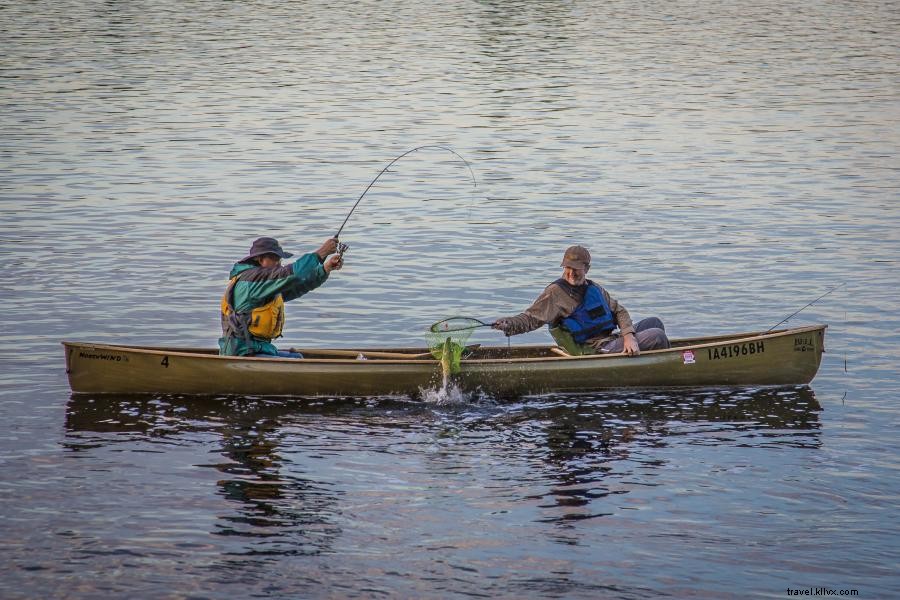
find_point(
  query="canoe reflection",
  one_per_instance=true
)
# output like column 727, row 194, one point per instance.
column 293, row 513
column 775, row 414
column 278, row 509
column 592, row 447
column 288, row 499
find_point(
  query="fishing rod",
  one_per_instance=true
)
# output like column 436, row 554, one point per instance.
column 390, row 164
column 805, row 307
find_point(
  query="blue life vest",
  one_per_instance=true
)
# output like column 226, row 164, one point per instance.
column 592, row 317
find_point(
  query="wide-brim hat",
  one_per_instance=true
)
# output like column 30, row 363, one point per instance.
column 265, row 245
column 576, row 257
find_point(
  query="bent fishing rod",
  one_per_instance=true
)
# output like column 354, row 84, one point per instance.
column 390, row 164
column 805, row 307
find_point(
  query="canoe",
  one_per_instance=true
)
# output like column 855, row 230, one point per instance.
column 783, row 357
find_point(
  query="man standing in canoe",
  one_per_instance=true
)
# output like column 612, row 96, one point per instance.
column 253, row 304
column 583, row 317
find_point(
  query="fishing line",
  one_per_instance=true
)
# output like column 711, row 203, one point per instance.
column 390, row 164
column 805, row 307
column 845, row 350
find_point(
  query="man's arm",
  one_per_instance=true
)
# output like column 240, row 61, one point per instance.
column 626, row 327
column 306, row 274
column 552, row 305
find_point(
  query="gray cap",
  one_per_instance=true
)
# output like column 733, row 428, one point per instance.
column 576, row 257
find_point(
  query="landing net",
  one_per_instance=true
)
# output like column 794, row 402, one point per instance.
column 447, row 343
column 457, row 324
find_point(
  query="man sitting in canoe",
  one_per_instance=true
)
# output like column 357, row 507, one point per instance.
column 253, row 304
column 583, row 316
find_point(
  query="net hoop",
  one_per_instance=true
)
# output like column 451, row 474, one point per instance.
column 456, row 324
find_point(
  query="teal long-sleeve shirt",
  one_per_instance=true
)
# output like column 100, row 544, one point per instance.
column 260, row 286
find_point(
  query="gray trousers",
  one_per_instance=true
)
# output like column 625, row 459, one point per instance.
column 650, row 334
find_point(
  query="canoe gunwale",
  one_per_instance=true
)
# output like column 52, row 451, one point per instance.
column 781, row 357
column 679, row 345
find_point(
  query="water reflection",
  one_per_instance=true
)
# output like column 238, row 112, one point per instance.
column 580, row 423
column 279, row 510
column 290, row 511
column 604, row 422
column 582, row 451
column 599, row 446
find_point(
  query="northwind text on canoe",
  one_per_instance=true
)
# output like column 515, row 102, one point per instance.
column 112, row 357
column 736, row 350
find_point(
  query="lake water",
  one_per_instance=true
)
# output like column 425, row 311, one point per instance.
column 727, row 163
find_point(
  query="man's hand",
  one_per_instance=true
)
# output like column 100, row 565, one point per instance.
column 334, row 263
column 503, row 325
column 630, row 345
column 329, row 247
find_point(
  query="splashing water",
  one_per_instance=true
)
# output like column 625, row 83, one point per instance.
column 448, row 394
column 446, row 346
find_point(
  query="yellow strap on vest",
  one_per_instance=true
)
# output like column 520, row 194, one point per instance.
column 266, row 321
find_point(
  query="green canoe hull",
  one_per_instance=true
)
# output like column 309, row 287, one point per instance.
column 784, row 357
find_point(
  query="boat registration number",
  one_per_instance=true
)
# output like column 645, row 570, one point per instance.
column 735, row 350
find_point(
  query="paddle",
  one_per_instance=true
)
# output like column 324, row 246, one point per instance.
column 366, row 354
column 357, row 353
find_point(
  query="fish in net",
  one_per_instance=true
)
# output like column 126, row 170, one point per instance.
column 447, row 341
column 447, row 347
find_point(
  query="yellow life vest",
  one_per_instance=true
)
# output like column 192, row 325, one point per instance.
column 265, row 321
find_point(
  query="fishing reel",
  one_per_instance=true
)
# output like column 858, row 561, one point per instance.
column 342, row 248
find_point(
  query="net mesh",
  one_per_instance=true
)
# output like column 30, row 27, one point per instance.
column 448, row 343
